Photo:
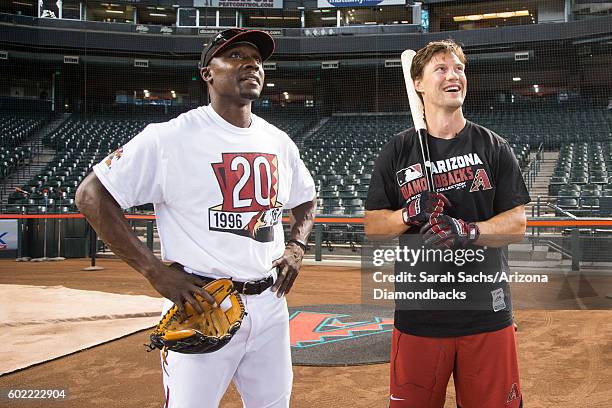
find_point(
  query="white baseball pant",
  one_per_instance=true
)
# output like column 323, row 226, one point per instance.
column 257, row 358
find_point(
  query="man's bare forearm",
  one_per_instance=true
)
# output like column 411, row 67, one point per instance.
column 504, row 228
column 302, row 220
column 384, row 224
column 105, row 216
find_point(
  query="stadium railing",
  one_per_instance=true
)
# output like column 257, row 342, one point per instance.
column 586, row 240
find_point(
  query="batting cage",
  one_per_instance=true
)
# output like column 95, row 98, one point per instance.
column 79, row 80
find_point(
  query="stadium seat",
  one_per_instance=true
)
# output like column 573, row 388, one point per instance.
column 605, row 205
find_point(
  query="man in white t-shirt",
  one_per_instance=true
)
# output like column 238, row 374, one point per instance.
column 219, row 178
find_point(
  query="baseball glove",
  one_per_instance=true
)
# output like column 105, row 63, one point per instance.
column 201, row 333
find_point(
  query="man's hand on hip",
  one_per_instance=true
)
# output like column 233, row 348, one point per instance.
column 288, row 267
column 173, row 283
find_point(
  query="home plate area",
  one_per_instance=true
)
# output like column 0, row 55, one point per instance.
column 340, row 335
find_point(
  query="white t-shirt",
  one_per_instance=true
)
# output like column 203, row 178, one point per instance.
column 218, row 190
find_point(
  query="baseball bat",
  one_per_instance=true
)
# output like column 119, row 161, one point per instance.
column 418, row 117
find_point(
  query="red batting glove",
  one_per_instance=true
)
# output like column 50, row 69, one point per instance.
column 443, row 231
column 421, row 209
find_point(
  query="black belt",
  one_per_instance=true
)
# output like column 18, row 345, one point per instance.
column 250, row 287
column 246, row 288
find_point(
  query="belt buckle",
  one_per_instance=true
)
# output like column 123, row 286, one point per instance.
column 245, row 287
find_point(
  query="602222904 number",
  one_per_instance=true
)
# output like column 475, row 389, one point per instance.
column 34, row 394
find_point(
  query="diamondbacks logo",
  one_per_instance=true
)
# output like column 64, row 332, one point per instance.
column 514, row 393
column 309, row 329
column 3, row 245
column 249, row 185
column 114, row 156
column 481, row 180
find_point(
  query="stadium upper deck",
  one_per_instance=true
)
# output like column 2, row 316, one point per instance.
column 431, row 15
column 177, row 27
column 560, row 52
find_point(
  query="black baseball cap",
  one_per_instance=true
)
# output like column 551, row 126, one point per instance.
column 260, row 39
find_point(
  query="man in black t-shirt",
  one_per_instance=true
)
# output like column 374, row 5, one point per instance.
column 479, row 206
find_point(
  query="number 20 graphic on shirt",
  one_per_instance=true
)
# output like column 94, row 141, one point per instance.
column 249, row 186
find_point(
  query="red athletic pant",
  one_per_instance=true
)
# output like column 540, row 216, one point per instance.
column 484, row 368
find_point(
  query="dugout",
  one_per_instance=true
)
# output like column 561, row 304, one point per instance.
column 53, row 237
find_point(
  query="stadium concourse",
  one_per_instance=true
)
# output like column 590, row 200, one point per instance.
column 78, row 79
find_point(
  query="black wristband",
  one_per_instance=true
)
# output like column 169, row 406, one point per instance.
column 298, row 243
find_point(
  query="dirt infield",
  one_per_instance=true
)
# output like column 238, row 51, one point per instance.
column 565, row 356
